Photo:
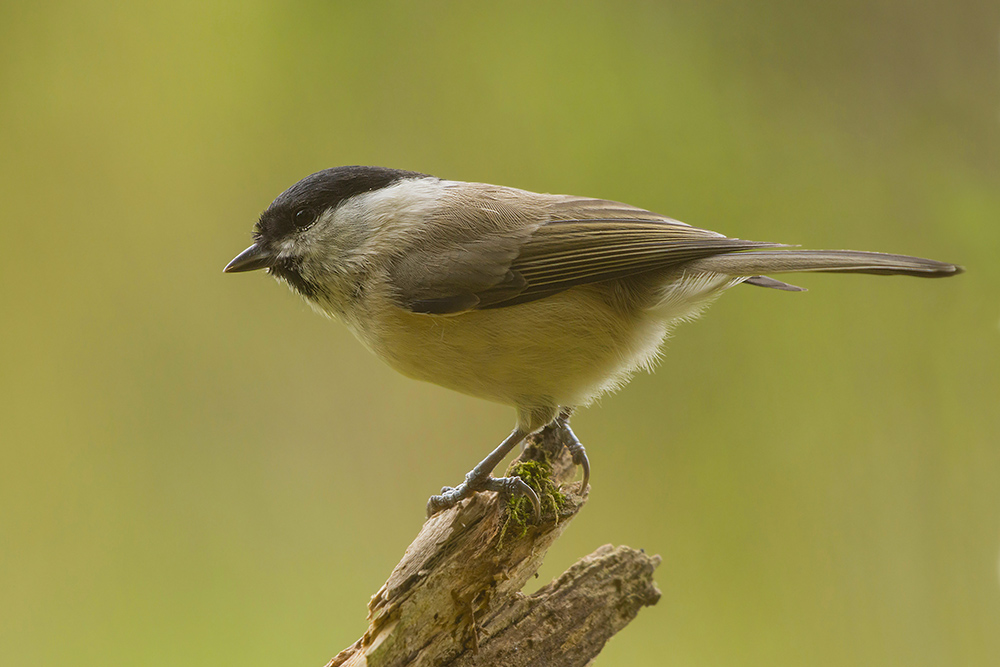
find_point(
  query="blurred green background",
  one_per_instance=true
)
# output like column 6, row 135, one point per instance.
column 195, row 469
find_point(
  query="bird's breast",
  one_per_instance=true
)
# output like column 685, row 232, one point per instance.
column 563, row 350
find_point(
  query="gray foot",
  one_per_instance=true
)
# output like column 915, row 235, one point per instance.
column 507, row 487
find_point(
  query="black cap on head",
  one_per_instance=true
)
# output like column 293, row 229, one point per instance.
column 299, row 205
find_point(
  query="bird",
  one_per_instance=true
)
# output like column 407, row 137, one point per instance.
column 542, row 302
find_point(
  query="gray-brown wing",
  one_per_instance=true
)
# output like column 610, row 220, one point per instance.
column 452, row 278
column 461, row 258
column 558, row 244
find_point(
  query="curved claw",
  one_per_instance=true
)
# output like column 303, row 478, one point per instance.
column 478, row 479
column 507, row 486
column 576, row 449
column 536, row 503
column 515, row 486
column 584, row 463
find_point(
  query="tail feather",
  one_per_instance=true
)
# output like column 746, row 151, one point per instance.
column 764, row 281
column 755, row 263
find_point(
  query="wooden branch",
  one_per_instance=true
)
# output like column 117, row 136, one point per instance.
column 454, row 599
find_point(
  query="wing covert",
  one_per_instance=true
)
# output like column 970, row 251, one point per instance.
column 533, row 246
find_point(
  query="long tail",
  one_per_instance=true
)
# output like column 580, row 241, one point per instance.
column 835, row 261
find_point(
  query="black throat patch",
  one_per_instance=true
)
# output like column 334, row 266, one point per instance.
column 288, row 270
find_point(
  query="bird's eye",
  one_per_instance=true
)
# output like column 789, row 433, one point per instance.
column 304, row 217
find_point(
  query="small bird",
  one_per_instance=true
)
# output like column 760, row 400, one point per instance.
column 539, row 301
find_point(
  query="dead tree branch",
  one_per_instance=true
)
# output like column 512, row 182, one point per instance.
column 454, row 599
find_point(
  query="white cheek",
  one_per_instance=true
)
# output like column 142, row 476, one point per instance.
column 367, row 223
column 387, row 217
column 412, row 198
column 349, row 241
column 325, row 244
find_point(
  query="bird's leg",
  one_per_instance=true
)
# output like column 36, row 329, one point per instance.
column 479, row 479
column 574, row 446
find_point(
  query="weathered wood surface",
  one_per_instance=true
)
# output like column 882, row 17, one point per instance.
column 454, row 599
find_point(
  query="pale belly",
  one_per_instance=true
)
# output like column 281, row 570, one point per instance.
column 564, row 350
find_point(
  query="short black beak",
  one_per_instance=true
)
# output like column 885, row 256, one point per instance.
column 251, row 259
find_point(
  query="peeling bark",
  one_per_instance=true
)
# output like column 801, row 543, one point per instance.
column 454, row 599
